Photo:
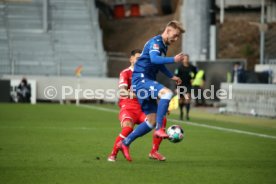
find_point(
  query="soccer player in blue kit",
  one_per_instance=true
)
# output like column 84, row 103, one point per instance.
column 147, row 89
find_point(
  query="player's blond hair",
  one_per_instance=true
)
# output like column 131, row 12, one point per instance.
column 176, row 25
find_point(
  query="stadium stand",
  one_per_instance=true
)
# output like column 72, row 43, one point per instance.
column 73, row 38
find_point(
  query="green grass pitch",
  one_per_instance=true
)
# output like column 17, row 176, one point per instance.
column 59, row 144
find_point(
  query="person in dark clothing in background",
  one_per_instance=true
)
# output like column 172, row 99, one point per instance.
column 186, row 72
column 238, row 73
column 24, row 91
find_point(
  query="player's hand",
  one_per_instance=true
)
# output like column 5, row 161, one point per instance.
column 179, row 57
column 187, row 98
column 131, row 94
column 177, row 80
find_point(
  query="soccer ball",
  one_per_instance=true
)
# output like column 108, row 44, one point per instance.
column 176, row 133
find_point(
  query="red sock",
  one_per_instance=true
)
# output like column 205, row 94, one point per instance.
column 164, row 122
column 156, row 141
column 124, row 133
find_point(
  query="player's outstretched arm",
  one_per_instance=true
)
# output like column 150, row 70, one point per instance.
column 155, row 58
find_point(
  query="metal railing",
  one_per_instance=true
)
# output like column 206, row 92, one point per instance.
column 252, row 99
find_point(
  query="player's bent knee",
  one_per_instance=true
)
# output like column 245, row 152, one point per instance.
column 163, row 91
column 127, row 123
column 168, row 95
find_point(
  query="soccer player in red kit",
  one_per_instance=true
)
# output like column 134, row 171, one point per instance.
column 131, row 112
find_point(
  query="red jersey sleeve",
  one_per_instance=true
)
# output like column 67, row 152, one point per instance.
column 123, row 80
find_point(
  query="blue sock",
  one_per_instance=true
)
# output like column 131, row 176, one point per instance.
column 162, row 109
column 141, row 130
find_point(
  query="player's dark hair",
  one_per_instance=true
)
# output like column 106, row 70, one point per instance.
column 135, row 51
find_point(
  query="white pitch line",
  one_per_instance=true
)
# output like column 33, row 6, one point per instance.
column 225, row 129
column 196, row 124
column 100, row 108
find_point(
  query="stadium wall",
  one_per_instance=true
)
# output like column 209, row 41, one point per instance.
column 52, row 88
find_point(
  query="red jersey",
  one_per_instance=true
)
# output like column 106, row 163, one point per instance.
column 125, row 80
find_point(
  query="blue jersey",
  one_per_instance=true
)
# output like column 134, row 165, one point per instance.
column 152, row 60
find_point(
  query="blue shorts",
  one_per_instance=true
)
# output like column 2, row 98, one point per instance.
column 147, row 91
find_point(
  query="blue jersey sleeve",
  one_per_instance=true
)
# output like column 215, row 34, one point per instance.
column 155, row 55
column 165, row 71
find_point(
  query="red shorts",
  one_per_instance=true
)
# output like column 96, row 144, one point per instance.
column 137, row 116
